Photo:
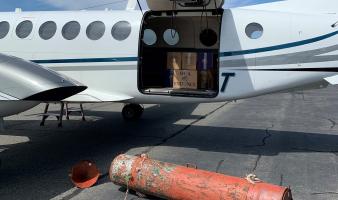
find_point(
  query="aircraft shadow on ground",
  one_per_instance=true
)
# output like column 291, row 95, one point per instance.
column 56, row 150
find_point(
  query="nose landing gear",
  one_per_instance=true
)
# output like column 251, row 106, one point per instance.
column 132, row 112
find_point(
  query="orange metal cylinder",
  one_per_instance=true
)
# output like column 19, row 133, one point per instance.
column 84, row 174
column 169, row 181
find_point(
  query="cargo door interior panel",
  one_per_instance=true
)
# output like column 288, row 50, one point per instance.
column 179, row 53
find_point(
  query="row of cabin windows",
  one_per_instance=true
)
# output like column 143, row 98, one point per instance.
column 95, row 30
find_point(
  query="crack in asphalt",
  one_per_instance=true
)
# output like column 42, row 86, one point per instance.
column 163, row 141
column 333, row 123
column 256, row 163
column 219, row 165
column 263, row 144
column 264, row 139
column 281, row 180
column 268, row 135
column 335, row 152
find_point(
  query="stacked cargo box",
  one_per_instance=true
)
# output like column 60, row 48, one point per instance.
column 174, row 62
column 187, row 77
column 206, row 72
column 190, row 70
column 181, row 70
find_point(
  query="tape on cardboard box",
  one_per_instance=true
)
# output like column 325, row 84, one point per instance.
column 174, row 60
column 189, row 61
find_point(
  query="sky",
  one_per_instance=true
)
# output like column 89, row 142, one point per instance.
column 33, row 5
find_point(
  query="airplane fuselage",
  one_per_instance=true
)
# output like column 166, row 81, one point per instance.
column 292, row 50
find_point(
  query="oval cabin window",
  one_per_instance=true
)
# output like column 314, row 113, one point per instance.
column 121, row 30
column 4, row 29
column 171, row 37
column 47, row 30
column 254, row 30
column 24, row 29
column 95, row 30
column 149, row 37
column 71, row 30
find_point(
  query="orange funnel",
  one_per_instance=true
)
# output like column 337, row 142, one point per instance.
column 84, row 174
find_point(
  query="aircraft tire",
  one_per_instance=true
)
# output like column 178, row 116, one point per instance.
column 132, row 112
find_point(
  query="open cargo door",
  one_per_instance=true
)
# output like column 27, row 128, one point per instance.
column 166, row 5
column 179, row 48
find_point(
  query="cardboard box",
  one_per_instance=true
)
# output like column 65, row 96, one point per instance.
column 185, row 79
column 189, row 61
column 203, row 80
column 206, row 80
column 174, row 60
column 205, row 61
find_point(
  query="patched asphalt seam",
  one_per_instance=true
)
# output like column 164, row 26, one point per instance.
column 163, row 141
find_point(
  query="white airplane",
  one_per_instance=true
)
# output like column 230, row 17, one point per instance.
column 180, row 51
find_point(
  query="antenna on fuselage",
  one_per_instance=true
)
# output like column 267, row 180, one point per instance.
column 139, row 5
column 131, row 5
column 18, row 10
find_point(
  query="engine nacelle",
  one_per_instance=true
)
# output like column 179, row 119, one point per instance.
column 24, row 84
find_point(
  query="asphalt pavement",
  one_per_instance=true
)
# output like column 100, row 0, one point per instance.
column 286, row 139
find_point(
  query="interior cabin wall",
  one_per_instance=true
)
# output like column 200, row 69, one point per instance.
column 188, row 28
column 153, row 70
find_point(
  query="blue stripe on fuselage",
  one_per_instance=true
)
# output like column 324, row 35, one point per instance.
column 86, row 60
column 278, row 47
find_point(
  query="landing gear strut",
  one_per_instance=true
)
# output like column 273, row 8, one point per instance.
column 132, row 111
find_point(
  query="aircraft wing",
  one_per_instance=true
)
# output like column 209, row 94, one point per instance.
column 92, row 96
column 332, row 80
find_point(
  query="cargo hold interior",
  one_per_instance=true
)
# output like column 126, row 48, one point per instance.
column 179, row 53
